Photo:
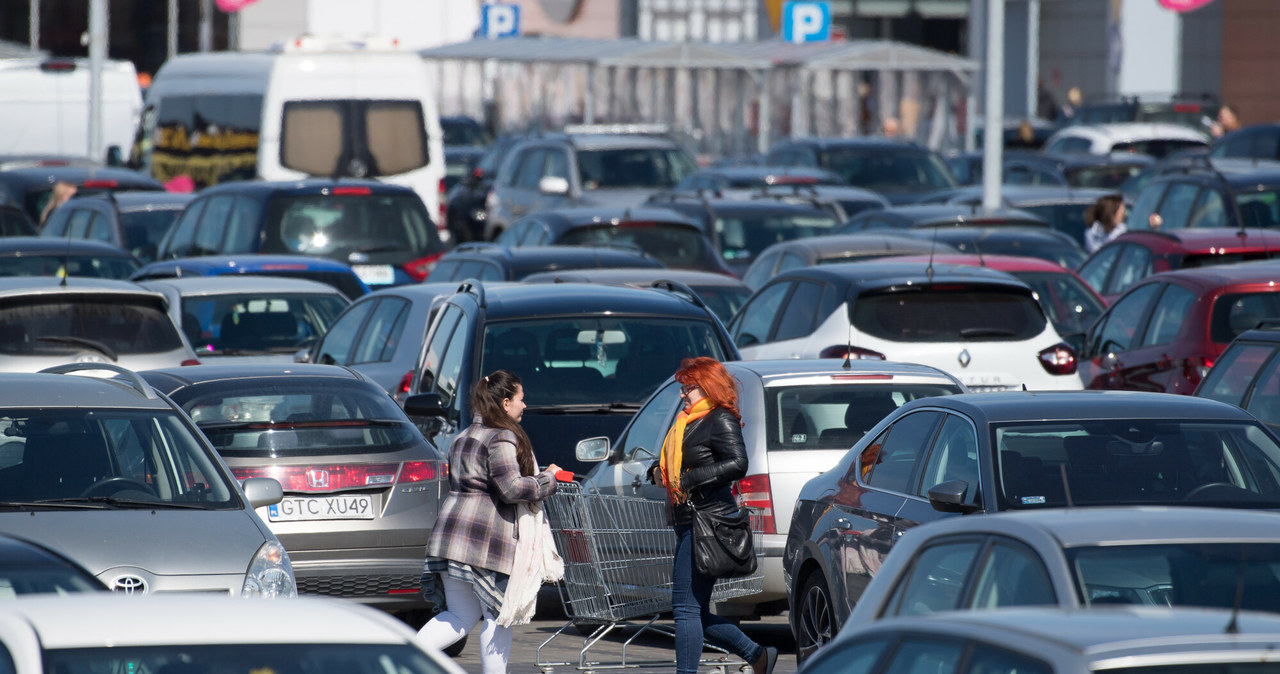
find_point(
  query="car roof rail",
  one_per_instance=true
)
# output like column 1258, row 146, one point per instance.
column 473, row 286
column 680, row 290
column 129, row 376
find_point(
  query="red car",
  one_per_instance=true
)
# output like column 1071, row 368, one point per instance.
column 1167, row 331
column 1133, row 256
column 1069, row 303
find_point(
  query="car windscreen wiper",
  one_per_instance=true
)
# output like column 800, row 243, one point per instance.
column 585, row 408
column 240, row 352
column 81, row 341
column 979, row 333
column 67, row 504
column 138, row 503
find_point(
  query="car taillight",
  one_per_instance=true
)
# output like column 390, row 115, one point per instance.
column 1202, row 367
column 189, row 361
column 443, row 209
column 753, row 491
column 853, row 353
column 418, row 471
column 419, row 269
column 402, row 390
column 101, row 184
column 350, row 191
column 1058, row 359
column 325, row 478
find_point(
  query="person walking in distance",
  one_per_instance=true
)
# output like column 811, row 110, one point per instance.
column 1106, row 216
column 702, row 456
column 473, row 546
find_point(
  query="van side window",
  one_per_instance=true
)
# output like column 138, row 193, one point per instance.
column 186, row 126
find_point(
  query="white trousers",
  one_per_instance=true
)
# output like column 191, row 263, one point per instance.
column 464, row 612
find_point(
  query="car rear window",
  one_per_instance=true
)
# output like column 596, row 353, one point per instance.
column 1158, row 148
column 298, row 416
column 257, row 322
column 380, row 138
column 142, row 231
column 837, row 412
column 886, row 170
column 675, row 246
column 633, row 167
column 949, row 313
column 57, row 324
column 1233, row 313
column 115, row 266
column 339, row 226
column 1180, row 574
column 744, row 236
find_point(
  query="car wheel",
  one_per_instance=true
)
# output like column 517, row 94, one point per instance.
column 815, row 619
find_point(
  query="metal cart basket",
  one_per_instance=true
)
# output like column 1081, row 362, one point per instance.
column 618, row 553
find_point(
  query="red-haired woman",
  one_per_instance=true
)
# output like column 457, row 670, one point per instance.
column 701, row 458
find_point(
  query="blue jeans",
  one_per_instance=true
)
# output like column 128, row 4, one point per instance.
column 691, row 605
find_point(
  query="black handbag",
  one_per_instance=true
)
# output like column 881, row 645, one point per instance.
column 723, row 546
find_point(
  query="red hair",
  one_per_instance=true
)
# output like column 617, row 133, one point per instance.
column 715, row 381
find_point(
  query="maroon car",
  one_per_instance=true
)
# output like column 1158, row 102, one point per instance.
column 1135, row 255
column 1167, row 331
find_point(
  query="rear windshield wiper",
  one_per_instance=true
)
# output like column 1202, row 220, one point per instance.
column 979, row 333
column 81, row 341
column 584, row 408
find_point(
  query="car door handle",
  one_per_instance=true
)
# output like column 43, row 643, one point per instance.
column 635, row 484
column 842, row 524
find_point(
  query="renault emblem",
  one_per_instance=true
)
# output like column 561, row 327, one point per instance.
column 964, row 358
column 130, row 585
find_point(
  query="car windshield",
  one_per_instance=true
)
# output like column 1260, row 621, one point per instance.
column 633, row 167
column 883, row 170
column 1258, row 207
column 594, row 360
column 52, row 325
column 297, row 415
column 1158, row 147
column 675, row 246
column 75, row 264
column 1106, row 176
column 949, row 313
column 257, row 658
column 742, row 237
column 1067, row 300
column 837, row 412
column 1134, row 461
column 140, row 455
column 1182, row 574
column 259, row 322
column 338, row 226
column 142, row 231
column 463, row 132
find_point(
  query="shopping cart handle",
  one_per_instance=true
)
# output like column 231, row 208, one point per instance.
column 564, row 475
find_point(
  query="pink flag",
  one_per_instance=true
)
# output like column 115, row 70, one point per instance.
column 1175, row 5
column 233, row 5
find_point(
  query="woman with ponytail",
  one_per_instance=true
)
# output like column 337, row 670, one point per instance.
column 473, row 545
column 701, row 458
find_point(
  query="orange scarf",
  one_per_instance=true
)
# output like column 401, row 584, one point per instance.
column 673, row 448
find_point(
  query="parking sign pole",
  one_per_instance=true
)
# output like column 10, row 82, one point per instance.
column 993, row 112
column 97, row 55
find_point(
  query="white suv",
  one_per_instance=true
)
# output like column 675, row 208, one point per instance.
column 983, row 326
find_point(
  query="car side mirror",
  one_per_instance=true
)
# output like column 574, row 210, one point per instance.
column 262, row 491
column 948, row 497
column 425, row 405
column 592, row 449
column 302, row 355
column 553, row 185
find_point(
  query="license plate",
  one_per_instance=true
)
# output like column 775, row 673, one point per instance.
column 375, row 274
column 301, row 509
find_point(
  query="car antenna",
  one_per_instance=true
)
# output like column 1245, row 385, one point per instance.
column 66, row 261
column 848, row 348
column 933, row 244
column 1233, row 627
column 1066, row 485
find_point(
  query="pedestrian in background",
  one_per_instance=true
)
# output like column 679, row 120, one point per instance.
column 1226, row 122
column 1106, row 216
column 473, row 546
column 702, row 456
column 62, row 191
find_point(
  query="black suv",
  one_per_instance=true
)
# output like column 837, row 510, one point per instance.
column 589, row 356
column 1230, row 193
column 901, row 170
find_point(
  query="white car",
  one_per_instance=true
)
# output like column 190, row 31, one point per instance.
column 983, row 326
column 204, row 634
column 1157, row 139
column 801, row 418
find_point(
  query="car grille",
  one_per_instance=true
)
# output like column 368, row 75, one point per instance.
column 355, row 586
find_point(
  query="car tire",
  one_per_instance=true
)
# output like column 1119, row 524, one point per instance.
column 815, row 616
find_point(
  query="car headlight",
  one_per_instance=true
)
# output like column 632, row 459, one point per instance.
column 270, row 574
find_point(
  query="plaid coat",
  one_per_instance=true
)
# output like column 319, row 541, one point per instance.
column 477, row 523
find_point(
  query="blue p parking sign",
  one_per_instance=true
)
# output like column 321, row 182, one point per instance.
column 806, row 21
column 498, row 20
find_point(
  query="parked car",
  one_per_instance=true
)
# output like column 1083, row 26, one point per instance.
column 588, row 356
column 250, row 319
column 1059, row 641
column 197, row 634
column 14, row 221
column 582, row 169
column 842, row 201
column 465, row 214
column 724, row 295
column 1168, row 330
column 132, row 221
column 741, row 229
column 1157, row 139
column 1043, row 242
column 39, row 256
column 739, row 182
column 336, row 274
column 1063, row 207
column 1256, row 141
column 46, row 320
column 1038, row 169
column 900, row 170
column 802, row 416
column 362, row 487
column 1187, row 109
column 981, row 325
column 675, row 240
column 1245, row 374
column 1135, row 255
column 28, row 568
column 117, row 477
column 382, row 230
column 833, row 249
column 939, row 457
column 937, row 215
column 1195, row 193
column 495, row 262
column 31, row 187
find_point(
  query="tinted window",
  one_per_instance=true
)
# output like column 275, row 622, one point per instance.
column 889, row 463
column 1069, row 303
column 1231, row 375
column 143, row 230
column 213, row 224
column 530, row 171
column 186, row 126
column 259, row 322
column 337, row 225
column 1233, row 313
column 1185, row 574
column 675, row 246
column 835, row 415
column 642, row 440
column 1157, row 148
column 851, row 656
column 935, row 581
column 887, row 170
column 758, row 316
column 633, row 167
column 1133, row 266
column 1176, row 207
column 761, row 270
column 382, row 332
column 242, row 226
column 1123, row 324
column 745, row 236
column 1094, row 272
column 442, row 331
column 1258, row 208
column 64, row 326
column 801, row 313
column 1212, row 212
column 315, row 658
column 950, row 314
column 1169, row 315
column 336, row 347
column 449, row 376
column 1145, row 205
column 184, row 231
column 79, row 223
column 954, row 457
column 51, row 264
column 1012, row 574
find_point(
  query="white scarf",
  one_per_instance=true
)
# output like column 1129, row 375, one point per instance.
column 536, row 562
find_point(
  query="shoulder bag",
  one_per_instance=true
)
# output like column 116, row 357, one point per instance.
column 723, row 546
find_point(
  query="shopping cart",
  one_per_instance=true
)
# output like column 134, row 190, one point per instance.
column 618, row 553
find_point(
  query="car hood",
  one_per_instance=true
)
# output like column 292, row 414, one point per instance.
column 554, row 436
column 160, row 542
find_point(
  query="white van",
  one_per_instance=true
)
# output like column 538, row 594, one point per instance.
column 44, row 107
column 313, row 107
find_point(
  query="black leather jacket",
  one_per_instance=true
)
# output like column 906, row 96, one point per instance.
column 714, row 457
